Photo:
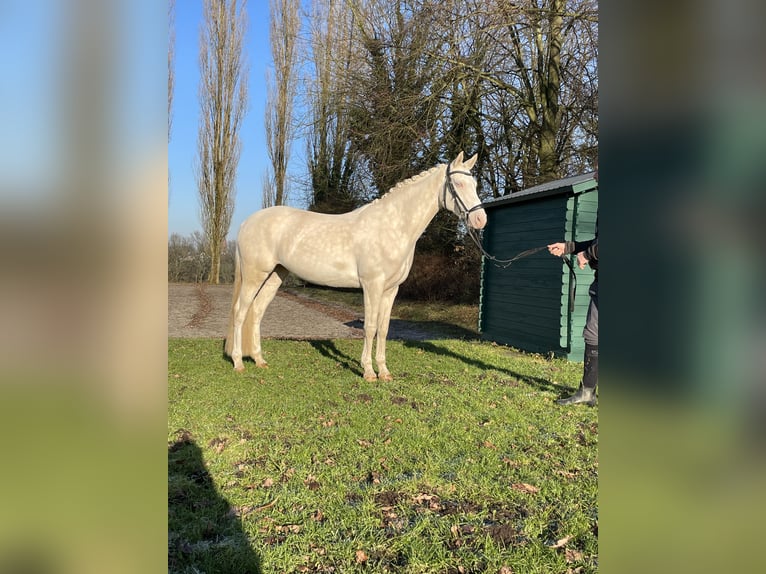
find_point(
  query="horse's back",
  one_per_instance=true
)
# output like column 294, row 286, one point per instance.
column 268, row 216
column 319, row 247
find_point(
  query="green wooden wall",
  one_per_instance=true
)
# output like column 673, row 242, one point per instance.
column 580, row 226
column 526, row 305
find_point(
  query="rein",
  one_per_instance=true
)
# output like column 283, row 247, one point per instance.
column 473, row 233
column 476, row 237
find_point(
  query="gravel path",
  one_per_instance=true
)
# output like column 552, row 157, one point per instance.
column 197, row 311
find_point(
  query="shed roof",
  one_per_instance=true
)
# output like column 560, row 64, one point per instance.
column 574, row 185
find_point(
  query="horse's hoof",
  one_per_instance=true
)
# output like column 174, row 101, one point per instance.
column 240, row 369
column 262, row 364
column 386, row 377
column 372, row 377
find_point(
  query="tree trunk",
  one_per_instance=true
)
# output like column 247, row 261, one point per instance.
column 551, row 88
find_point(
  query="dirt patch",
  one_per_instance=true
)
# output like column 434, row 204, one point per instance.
column 204, row 307
column 202, row 311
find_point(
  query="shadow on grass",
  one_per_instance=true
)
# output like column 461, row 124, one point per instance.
column 538, row 382
column 328, row 349
column 203, row 534
column 402, row 330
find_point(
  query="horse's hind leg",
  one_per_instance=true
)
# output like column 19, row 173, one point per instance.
column 248, row 291
column 262, row 300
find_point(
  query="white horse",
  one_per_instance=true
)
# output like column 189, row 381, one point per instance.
column 371, row 247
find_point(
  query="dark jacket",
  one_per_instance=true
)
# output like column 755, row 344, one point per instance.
column 589, row 248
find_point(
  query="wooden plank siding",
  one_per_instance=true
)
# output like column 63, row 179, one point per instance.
column 526, row 305
column 580, row 226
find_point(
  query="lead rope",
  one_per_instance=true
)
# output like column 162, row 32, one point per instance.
column 476, row 238
column 505, row 263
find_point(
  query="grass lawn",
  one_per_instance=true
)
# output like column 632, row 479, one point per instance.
column 463, row 463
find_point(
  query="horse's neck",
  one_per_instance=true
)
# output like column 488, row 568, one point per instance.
column 413, row 206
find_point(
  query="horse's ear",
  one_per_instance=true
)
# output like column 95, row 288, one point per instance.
column 469, row 163
column 458, row 160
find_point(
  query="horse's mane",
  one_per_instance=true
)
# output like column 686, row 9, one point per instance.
column 407, row 183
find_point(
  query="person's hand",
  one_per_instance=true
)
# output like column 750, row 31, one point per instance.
column 557, row 249
column 582, row 260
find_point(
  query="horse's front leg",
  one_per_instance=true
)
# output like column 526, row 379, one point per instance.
column 372, row 296
column 384, row 318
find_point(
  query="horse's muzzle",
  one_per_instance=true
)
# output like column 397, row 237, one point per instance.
column 477, row 219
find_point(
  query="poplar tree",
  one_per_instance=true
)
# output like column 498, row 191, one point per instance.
column 223, row 99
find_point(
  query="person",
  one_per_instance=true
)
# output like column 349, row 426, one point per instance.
column 587, row 252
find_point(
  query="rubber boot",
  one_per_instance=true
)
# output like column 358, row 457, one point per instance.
column 586, row 393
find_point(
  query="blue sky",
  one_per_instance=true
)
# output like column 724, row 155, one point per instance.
column 40, row 45
column 29, row 145
column 183, row 210
column 36, row 37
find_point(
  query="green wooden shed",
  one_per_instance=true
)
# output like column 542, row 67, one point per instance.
column 528, row 304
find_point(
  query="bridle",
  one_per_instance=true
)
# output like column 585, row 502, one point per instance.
column 475, row 236
column 449, row 187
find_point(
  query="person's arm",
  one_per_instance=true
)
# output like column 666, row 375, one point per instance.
column 589, row 248
column 586, row 250
column 582, row 247
column 587, row 254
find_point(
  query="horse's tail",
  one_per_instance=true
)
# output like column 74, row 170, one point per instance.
column 237, row 287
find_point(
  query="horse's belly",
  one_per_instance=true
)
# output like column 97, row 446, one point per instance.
column 324, row 271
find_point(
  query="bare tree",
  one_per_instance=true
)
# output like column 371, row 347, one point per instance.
column 171, row 61
column 267, row 187
column 171, row 71
column 541, row 98
column 514, row 80
column 284, row 28
column 223, row 99
column 188, row 258
column 332, row 161
column 395, row 112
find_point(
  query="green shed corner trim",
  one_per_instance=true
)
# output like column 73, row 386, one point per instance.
column 527, row 305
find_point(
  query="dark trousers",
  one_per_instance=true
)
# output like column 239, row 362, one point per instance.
column 590, row 332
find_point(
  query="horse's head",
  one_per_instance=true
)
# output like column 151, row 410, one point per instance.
column 460, row 192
